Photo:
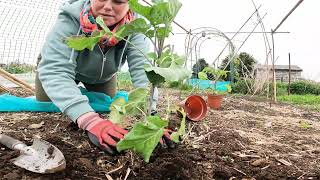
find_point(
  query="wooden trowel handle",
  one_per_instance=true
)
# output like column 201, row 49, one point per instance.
column 9, row 141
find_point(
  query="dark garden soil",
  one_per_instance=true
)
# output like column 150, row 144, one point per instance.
column 246, row 139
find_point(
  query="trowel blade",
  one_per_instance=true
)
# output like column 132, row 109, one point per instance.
column 41, row 157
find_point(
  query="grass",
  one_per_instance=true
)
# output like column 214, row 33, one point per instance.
column 308, row 101
column 17, row 68
column 305, row 125
column 124, row 81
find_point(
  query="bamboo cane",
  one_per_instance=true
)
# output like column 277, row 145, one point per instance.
column 17, row 81
column 3, row 89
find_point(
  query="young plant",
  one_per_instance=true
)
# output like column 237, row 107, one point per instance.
column 218, row 75
column 165, row 65
column 121, row 109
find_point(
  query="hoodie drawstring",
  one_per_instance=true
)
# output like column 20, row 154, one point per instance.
column 72, row 59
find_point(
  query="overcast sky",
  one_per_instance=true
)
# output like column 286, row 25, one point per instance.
column 229, row 15
column 225, row 15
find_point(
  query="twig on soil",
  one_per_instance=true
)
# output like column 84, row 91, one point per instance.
column 89, row 144
column 316, row 141
column 185, row 136
column 300, row 177
column 241, row 144
column 24, row 136
column 202, row 137
column 131, row 157
column 240, row 171
column 284, row 162
column 246, row 155
column 127, row 174
column 103, row 161
column 65, row 141
column 265, row 167
column 134, row 173
column 109, row 177
column 117, row 169
column 83, row 144
column 207, row 127
column 91, row 177
column 55, row 128
column 298, row 168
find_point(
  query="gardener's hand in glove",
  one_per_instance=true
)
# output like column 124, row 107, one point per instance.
column 166, row 140
column 102, row 133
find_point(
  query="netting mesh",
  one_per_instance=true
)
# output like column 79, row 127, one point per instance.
column 23, row 28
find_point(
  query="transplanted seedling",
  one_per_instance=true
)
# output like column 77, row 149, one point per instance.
column 164, row 66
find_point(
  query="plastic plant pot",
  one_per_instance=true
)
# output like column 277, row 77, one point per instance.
column 215, row 101
column 195, row 107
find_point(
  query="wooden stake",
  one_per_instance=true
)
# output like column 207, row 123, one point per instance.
column 273, row 71
column 289, row 75
column 17, row 81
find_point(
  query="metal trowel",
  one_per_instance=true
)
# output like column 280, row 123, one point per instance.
column 42, row 157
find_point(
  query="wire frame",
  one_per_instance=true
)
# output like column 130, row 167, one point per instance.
column 24, row 26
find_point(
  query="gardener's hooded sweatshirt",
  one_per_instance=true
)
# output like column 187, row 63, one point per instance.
column 60, row 65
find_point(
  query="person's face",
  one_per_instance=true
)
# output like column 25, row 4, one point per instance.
column 112, row 11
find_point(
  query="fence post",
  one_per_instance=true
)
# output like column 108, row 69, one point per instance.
column 289, row 75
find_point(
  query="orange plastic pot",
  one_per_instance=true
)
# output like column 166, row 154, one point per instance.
column 195, row 107
column 215, row 101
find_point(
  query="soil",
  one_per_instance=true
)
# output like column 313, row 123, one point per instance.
column 246, row 139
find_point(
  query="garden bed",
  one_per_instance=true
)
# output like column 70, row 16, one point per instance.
column 246, row 139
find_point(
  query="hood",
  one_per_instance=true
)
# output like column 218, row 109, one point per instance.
column 73, row 8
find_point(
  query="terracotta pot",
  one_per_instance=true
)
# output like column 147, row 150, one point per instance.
column 195, row 107
column 214, row 101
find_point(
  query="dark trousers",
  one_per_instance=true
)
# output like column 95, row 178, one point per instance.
column 109, row 88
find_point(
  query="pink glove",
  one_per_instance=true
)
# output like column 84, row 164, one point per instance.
column 101, row 132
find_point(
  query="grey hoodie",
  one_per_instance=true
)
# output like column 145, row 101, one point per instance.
column 60, row 65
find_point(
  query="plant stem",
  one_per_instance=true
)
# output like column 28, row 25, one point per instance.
column 135, row 48
column 168, row 106
column 142, row 111
column 151, row 98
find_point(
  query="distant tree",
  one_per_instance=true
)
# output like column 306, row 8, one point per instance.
column 243, row 65
column 198, row 67
column 225, row 66
column 247, row 64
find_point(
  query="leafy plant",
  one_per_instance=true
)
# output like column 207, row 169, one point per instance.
column 218, row 75
column 182, row 130
column 243, row 86
column 198, row 67
column 305, row 87
column 165, row 66
column 243, row 66
column 305, row 125
column 144, row 137
column 311, row 102
column 17, row 68
column 120, row 108
column 180, row 85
